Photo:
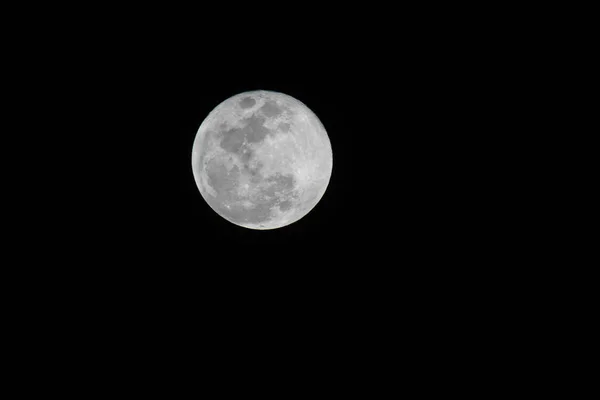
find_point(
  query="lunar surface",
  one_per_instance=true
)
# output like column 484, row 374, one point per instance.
column 262, row 160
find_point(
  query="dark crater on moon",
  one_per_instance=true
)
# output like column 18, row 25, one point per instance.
column 220, row 179
column 271, row 109
column 285, row 205
column 252, row 132
column 247, row 102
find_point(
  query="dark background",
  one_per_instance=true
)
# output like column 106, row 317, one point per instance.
column 407, row 234
column 409, row 101
column 412, row 266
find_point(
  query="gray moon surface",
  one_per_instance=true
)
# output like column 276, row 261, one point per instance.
column 262, row 159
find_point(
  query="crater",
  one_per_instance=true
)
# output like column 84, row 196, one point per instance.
column 285, row 205
column 270, row 109
column 284, row 127
column 220, row 178
column 247, row 102
column 252, row 132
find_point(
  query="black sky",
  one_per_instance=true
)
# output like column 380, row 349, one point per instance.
column 412, row 234
column 402, row 104
column 405, row 100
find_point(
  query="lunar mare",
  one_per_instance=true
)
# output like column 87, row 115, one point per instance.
column 262, row 159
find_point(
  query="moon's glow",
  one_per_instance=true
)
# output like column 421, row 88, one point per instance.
column 262, row 160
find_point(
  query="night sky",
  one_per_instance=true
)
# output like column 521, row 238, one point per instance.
column 413, row 250
column 410, row 221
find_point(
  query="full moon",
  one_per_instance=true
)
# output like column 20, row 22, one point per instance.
column 262, row 160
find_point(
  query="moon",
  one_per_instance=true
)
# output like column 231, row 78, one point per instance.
column 262, row 159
